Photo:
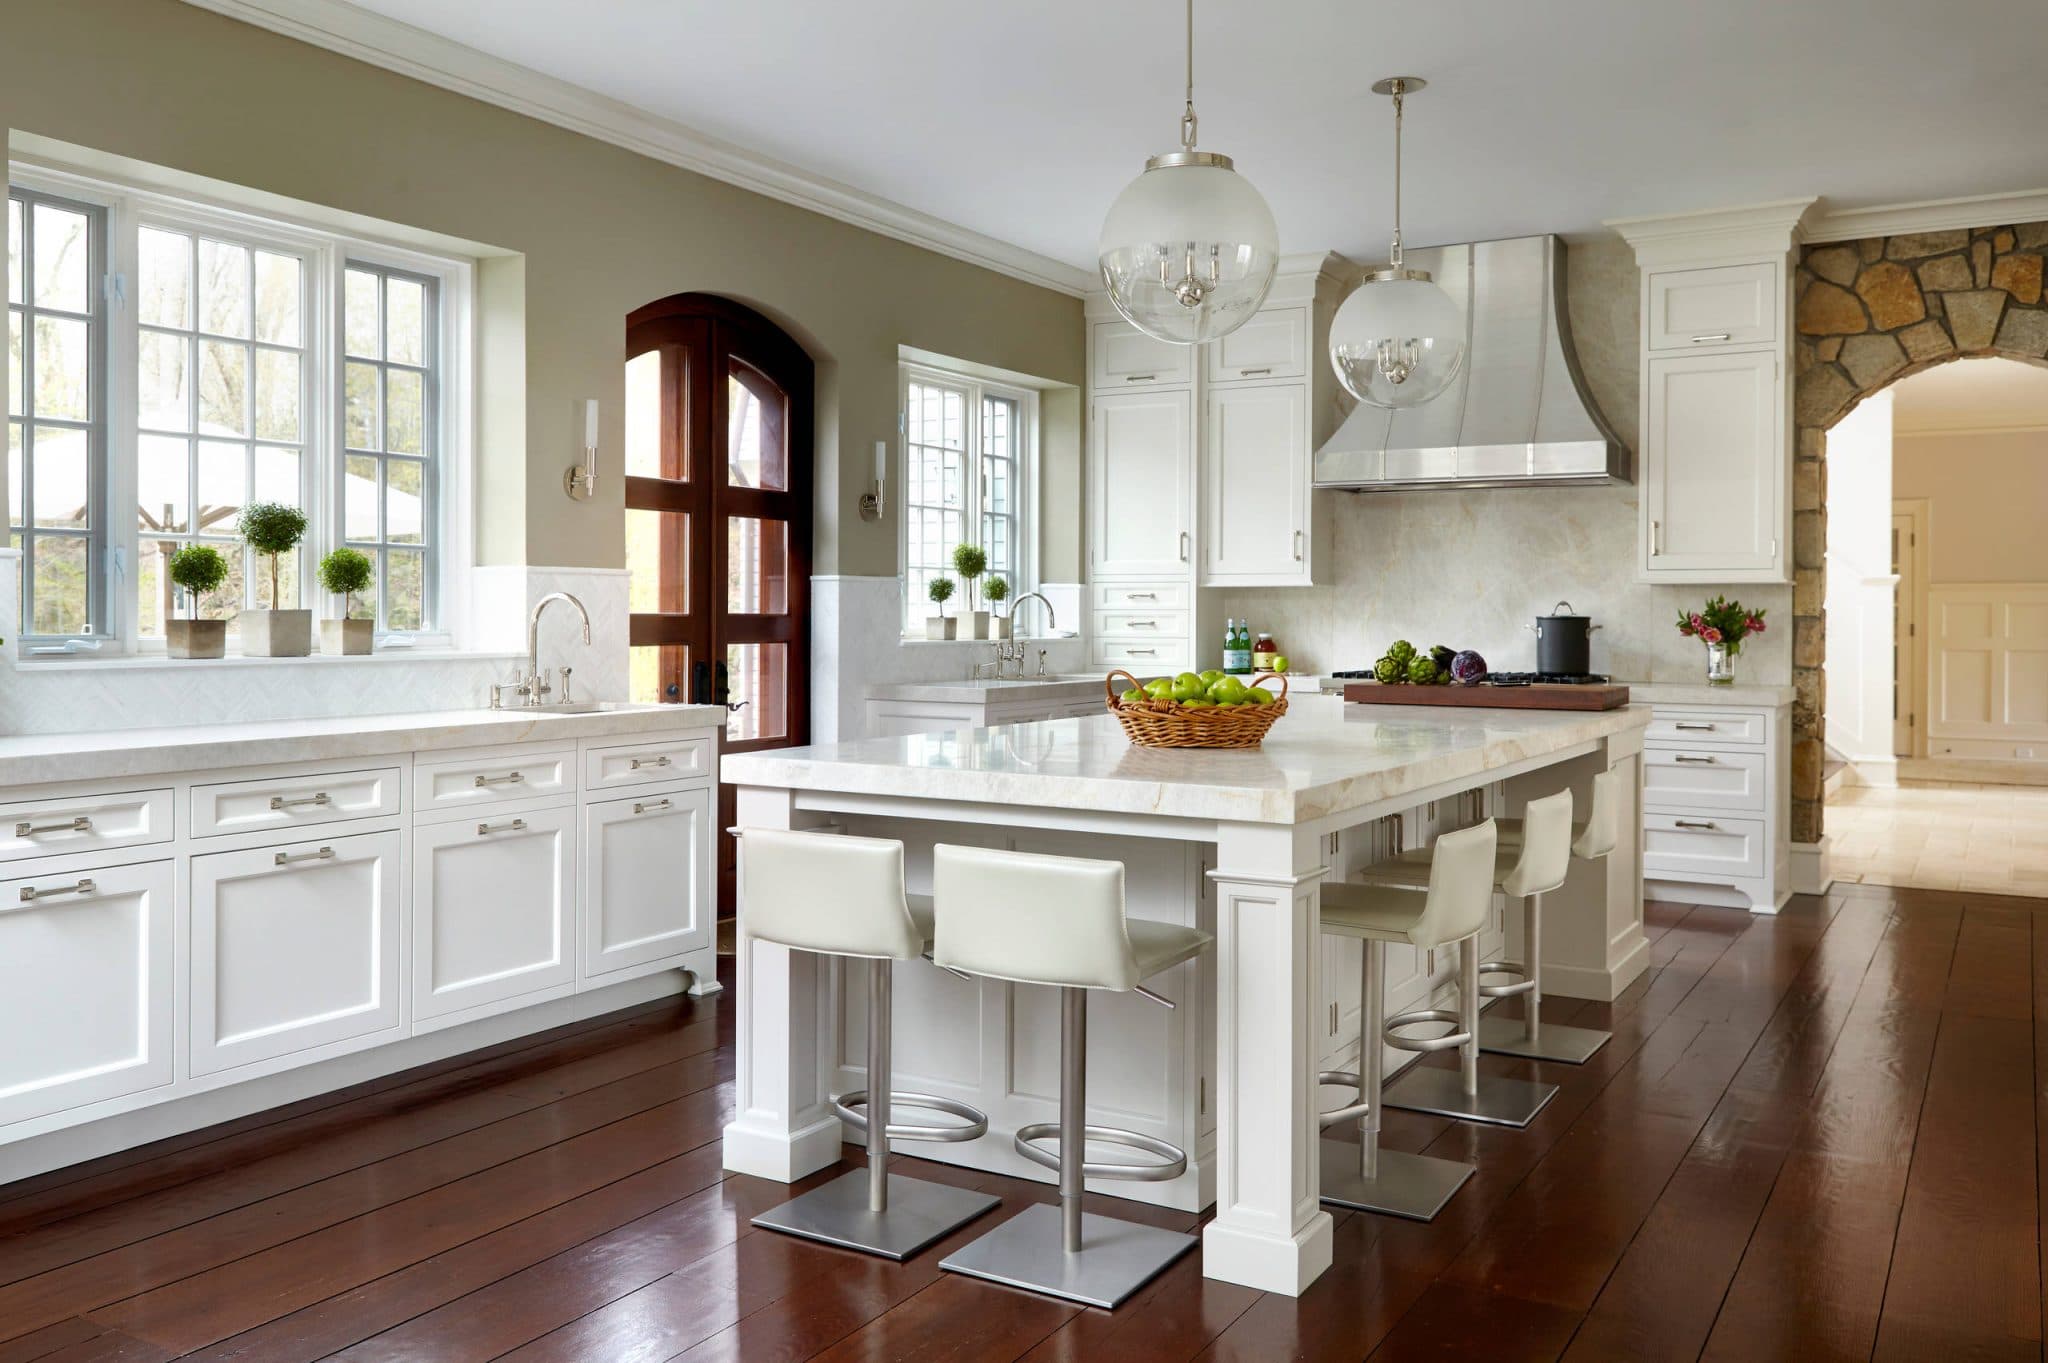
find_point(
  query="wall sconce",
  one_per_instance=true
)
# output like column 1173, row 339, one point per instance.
column 580, row 482
column 871, row 502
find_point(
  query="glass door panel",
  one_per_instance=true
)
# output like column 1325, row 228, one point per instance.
column 757, row 683
column 757, row 430
column 756, row 566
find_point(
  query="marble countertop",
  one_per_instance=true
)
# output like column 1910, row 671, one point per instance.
column 1322, row 757
column 1694, row 693
column 984, row 690
column 114, row 754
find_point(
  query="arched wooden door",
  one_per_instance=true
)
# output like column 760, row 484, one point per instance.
column 718, row 523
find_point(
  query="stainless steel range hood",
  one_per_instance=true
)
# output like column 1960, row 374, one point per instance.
column 1518, row 416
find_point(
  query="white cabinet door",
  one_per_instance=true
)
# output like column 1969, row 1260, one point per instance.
column 492, row 904
column 1127, row 358
column 1720, row 305
column 85, row 987
column 1255, row 486
column 1272, row 345
column 293, row 947
column 1139, row 465
column 646, row 880
column 1714, row 469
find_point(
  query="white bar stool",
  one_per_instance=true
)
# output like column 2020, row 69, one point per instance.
column 1060, row 921
column 1537, row 865
column 843, row 896
column 1454, row 909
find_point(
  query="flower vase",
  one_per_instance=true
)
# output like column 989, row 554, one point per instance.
column 1720, row 666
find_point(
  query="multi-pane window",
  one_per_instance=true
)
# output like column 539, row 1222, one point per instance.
column 221, row 381
column 966, row 465
column 388, row 427
column 56, row 411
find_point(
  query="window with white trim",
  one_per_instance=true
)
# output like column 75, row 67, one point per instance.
column 172, row 361
column 969, row 456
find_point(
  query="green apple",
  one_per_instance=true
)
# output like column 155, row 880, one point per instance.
column 1276, row 663
column 1257, row 695
column 1160, row 688
column 1198, row 704
column 1227, row 691
column 1134, row 696
column 1213, row 675
column 1188, row 686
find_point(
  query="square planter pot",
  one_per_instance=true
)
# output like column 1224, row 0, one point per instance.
column 277, row 634
column 999, row 627
column 977, row 625
column 196, row 638
column 347, row 636
column 941, row 627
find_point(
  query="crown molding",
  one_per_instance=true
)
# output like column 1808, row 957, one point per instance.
column 427, row 57
column 2018, row 428
column 1936, row 215
column 1746, row 232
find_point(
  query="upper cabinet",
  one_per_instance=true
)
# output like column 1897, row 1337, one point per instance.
column 1140, row 501
column 1715, row 464
column 1125, row 357
column 1255, row 516
column 1273, row 345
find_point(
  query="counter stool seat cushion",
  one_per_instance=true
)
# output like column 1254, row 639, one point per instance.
column 1162, row 946
column 1384, row 913
column 1410, row 870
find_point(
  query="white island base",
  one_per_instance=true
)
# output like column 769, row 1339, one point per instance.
column 1236, row 843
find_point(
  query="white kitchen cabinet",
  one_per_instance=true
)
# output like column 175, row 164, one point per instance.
column 1715, row 482
column 1140, row 494
column 1126, row 358
column 96, row 823
column 1716, row 802
column 492, row 908
column 293, row 947
column 1736, row 305
column 644, row 895
column 1255, row 474
column 85, row 987
column 1272, row 345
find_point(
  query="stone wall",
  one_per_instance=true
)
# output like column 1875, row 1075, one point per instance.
column 1869, row 313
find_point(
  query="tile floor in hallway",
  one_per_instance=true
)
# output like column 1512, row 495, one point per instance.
column 1940, row 835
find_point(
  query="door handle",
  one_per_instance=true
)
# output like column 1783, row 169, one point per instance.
column 1297, row 546
column 1656, row 538
column 81, row 824
column 700, row 683
column 30, row 894
column 1183, row 546
column 721, row 686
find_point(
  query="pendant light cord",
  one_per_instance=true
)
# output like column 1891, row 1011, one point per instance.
column 1187, row 118
column 1396, row 253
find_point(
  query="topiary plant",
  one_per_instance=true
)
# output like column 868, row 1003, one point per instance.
column 199, row 569
column 970, row 562
column 997, row 590
column 346, row 572
column 940, row 591
column 272, row 529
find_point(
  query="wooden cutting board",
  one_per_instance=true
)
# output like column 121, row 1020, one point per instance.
column 1535, row 696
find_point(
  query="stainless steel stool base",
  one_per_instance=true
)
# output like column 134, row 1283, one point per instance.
column 1414, row 1186
column 837, row 1214
column 1028, row 1251
column 1509, row 1036
column 1501, row 1102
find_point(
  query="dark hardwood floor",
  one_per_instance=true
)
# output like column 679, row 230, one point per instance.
column 1813, row 1137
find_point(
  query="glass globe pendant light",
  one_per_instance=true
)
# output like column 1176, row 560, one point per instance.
column 1399, row 339
column 1189, row 248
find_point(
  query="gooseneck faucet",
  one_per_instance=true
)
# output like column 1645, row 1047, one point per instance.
column 535, row 683
column 1050, row 623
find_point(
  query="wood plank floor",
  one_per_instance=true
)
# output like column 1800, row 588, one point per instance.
column 1813, row 1137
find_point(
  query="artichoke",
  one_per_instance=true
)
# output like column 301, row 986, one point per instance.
column 1389, row 671
column 1422, row 670
column 1401, row 651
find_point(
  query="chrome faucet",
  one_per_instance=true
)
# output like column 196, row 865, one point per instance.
column 1050, row 623
column 534, row 685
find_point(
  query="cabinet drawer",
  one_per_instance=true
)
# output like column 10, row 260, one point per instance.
column 646, row 880
column 1143, row 658
column 1126, row 357
column 1687, row 727
column 493, row 909
column 1703, row 779
column 1140, row 624
column 293, row 801
column 1272, row 345
column 639, row 764
column 86, row 823
column 476, row 780
column 1702, row 845
column 1142, row 596
column 1725, row 305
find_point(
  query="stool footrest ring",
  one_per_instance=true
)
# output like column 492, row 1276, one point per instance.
column 1524, row 981
column 1351, row 1112
column 1426, row 1044
column 1174, row 1159
column 975, row 1122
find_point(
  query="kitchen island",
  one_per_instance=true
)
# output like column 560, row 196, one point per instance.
column 1234, row 842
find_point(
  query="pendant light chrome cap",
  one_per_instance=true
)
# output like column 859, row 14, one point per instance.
column 1189, row 249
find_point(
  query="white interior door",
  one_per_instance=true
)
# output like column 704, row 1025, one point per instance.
column 646, row 888
column 491, row 909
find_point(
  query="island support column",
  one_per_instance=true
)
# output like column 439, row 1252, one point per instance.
column 783, row 1125
column 1270, row 1231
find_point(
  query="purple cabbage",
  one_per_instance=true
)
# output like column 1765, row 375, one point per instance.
column 1467, row 668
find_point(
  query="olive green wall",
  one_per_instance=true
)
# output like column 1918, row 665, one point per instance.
column 601, row 230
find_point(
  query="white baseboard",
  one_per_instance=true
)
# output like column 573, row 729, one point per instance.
column 1810, row 873
column 1881, row 772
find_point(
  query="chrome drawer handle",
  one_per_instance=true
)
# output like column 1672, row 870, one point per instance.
column 1707, row 826
column 1142, row 624
column 1141, row 596
column 287, row 858
column 509, row 779
column 280, row 802
column 1252, row 373
column 30, row 894
column 81, row 824
column 509, row 826
column 1694, row 728
column 640, row 762
column 1148, row 652
column 653, row 806
column 1710, row 336
column 1139, row 378
column 1701, row 761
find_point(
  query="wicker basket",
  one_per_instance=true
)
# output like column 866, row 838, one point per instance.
column 1164, row 724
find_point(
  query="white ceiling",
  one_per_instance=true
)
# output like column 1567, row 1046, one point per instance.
column 1022, row 121
column 1971, row 395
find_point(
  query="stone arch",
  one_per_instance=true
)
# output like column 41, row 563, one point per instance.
column 1869, row 313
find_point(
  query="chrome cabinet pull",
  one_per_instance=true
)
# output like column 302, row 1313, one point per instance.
column 81, row 824
column 1708, row 824
column 1252, row 373
column 640, row 762
column 1183, row 546
column 30, row 894
column 1710, row 336
column 509, row 826
column 1297, row 546
column 1656, row 538
column 652, row 806
column 1148, row 652
column 1139, row 378
column 1142, row 624
column 1698, row 761
column 280, row 802
column 287, row 858
column 1694, row 728
column 509, row 779
column 1141, row 596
